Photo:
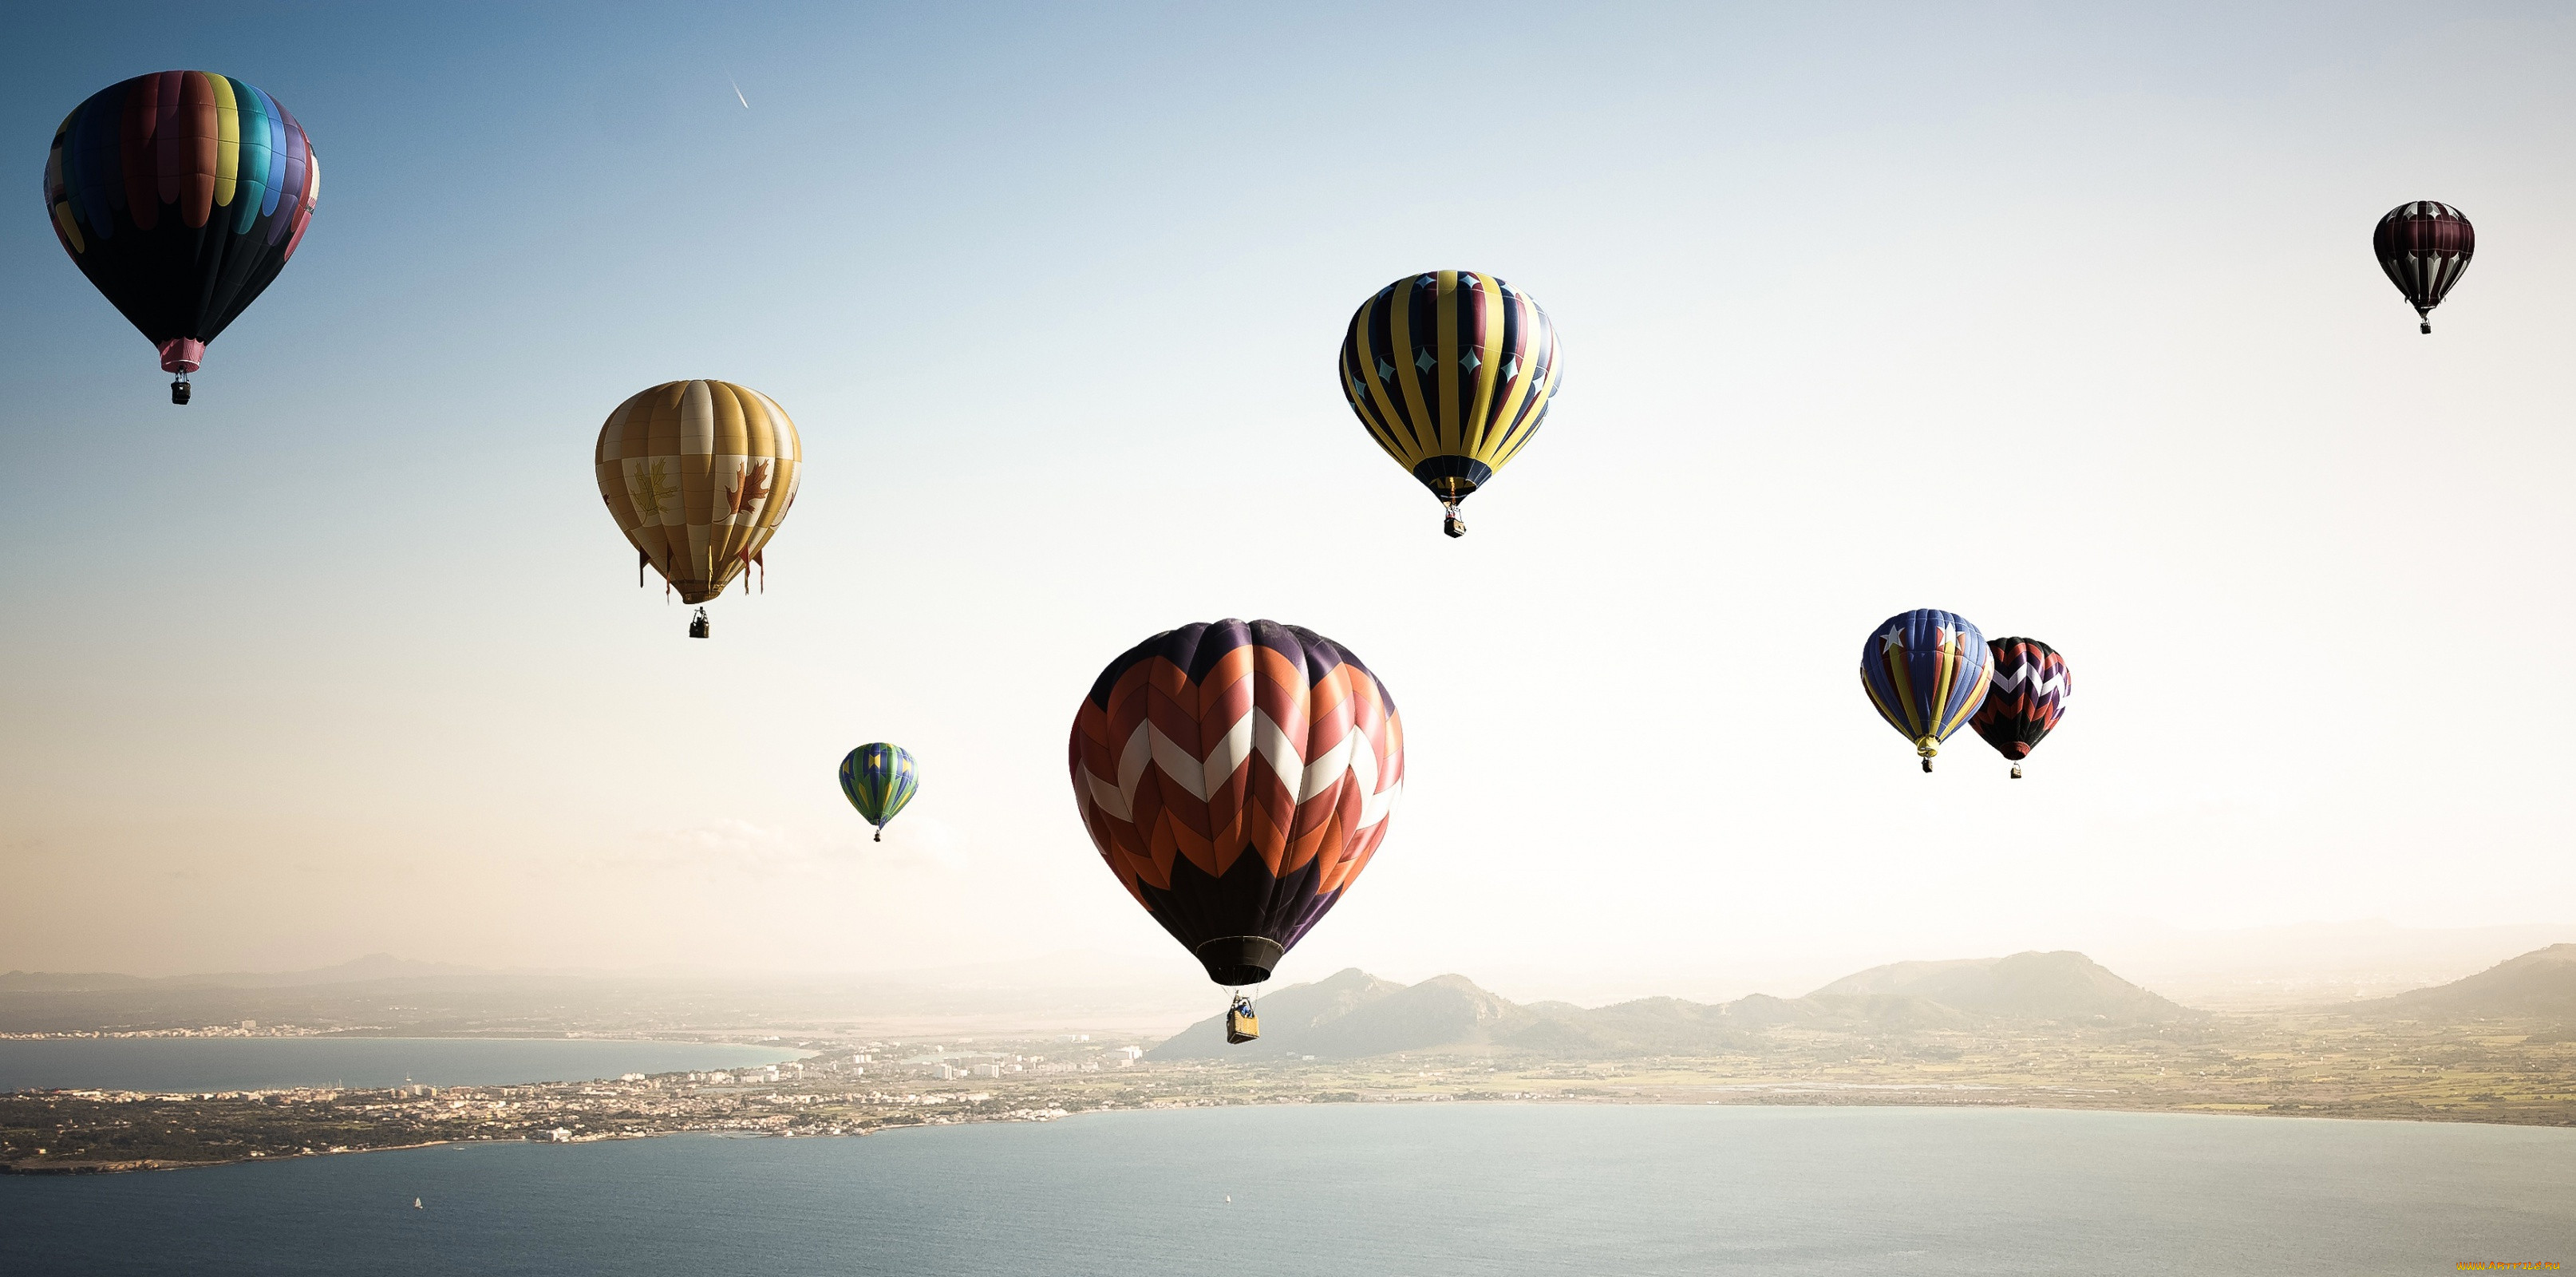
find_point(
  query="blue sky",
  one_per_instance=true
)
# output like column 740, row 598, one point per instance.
column 2066, row 322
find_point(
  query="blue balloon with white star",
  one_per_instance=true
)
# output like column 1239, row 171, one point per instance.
column 1926, row 672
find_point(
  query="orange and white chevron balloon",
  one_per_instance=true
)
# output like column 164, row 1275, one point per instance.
column 1237, row 776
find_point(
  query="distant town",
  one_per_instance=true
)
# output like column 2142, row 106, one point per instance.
column 245, row 1029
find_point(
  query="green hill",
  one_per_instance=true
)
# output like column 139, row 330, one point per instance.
column 2540, row 984
column 2064, row 985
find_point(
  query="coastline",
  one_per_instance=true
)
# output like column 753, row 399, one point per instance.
column 1890, row 1096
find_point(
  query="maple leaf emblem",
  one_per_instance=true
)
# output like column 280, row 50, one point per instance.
column 750, row 484
column 652, row 488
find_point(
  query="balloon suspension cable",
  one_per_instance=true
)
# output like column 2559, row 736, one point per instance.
column 1450, row 522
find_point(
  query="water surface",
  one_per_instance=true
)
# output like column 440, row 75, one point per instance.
column 1487, row 1190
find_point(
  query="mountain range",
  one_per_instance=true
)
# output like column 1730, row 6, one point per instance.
column 1354, row 1014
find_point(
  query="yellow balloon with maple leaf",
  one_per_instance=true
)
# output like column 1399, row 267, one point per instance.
column 698, row 475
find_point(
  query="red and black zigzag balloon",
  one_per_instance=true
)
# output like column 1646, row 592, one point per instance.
column 2030, row 687
column 1237, row 777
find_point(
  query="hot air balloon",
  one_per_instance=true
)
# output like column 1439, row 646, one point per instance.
column 1451, row 372
column 2425, row 247
column 698, row 475
column 181, row 195
column 1237, row 777
column 879, row 779
column 1926, row 673
column 2026, row 695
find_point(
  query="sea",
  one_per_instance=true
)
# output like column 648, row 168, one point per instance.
column 1407, row 1190
column 245, row 1064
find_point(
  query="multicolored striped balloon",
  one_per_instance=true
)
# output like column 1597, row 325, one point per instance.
column 181, row 195
column 879, row 779
column 1926, row 673
column 1451, row 372
column 1237, row 776
column 2031, row 686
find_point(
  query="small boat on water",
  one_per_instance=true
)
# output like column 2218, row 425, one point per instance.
column 415, row 1204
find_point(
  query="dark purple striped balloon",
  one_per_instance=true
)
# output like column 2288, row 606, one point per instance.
column 2425, row 247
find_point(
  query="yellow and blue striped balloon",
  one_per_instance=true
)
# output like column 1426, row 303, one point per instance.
column 879, row 780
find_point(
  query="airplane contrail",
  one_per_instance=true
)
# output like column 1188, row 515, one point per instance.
column 737, row 92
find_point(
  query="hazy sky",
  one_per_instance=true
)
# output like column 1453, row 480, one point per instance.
column 2064, row 321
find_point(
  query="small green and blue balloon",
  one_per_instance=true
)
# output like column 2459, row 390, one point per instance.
column 879, row 780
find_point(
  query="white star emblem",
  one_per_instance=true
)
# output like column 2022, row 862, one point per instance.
column 1892, row 641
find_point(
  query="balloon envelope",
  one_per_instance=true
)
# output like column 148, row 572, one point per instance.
column 698, row 475
column 1237, row 777
column 879, row 779
column 2424, row 247
column 1452, row 372
column 1926, row 673
column 181, row 195
column 2027, row 692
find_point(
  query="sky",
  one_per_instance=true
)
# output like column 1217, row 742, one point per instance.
column 2061, row 318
